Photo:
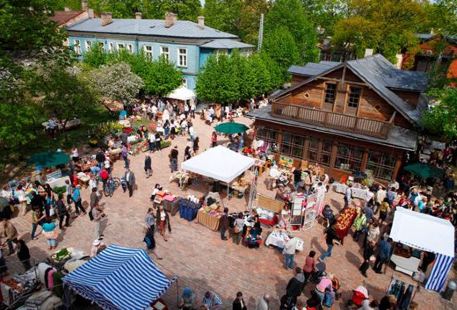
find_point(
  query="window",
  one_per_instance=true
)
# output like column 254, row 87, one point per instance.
column 77, row 47
column 130, row 48
column 348, row 157
column 313, row 149
column 182, row 57
column 381, row 164
column 165, row 52
column 267, row 135
column 184, row 83
column 111, row 47
column 326, row 152
column 120, row 47
column 88, row 45
column 101, row 45
column 292, row 145
column 330, row 93
column 148, row 51
column 354, row 96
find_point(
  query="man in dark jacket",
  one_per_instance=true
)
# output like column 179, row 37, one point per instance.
column 224, row 224
column 294, row 289
column 129, row 177
column 239, row 303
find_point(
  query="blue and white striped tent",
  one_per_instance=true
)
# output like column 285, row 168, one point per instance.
column 119, row 278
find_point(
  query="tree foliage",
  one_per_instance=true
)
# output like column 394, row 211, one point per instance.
column 281, row 47
column 160, row 77
column 232, row 78
column 388, row 26
column 185, row 9
column 442, row 118
column 236, row 16
column 116, row 81
column 290, row 15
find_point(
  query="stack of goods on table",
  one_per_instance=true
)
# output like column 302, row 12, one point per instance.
column 280, row 237
column 344, row 222
column 170, row 203
column 267, row 217
column 18, row 287
column 240, row 186
column 210, row 215
column 188, row 207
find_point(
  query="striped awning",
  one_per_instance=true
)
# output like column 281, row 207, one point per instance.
column 119, row 278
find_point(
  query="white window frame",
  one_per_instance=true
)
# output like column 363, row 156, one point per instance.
column 129, row 48
column 120, row 46
column 77, row 47
column 88, row 45
column 182, row 62
column 148, row 52
column 167, row 53
column 184, row 82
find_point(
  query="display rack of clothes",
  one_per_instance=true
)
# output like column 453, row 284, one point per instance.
column 404, row 292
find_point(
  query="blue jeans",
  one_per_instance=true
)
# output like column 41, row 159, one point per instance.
column 289, row 261
column 327, row 253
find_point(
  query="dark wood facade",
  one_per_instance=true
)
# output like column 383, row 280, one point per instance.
column 342, row 101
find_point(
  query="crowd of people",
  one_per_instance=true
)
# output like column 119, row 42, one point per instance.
column 53, row 212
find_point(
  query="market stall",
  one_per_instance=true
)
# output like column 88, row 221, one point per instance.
column 344, row 222
column 188, row 208
column 268, row 209
column 220, row 164
column 426, row 233
column 112, row 279
column 280, row 237
column 210, row 214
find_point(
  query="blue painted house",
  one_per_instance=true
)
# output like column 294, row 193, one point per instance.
column 184, row 43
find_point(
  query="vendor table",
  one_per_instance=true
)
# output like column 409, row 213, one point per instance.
column 58, row 182
column 209, row 220
column 406, row 265
column 188, row 210
column 278, row 238
column 344, row 222
column 171, row 205
column 357, row 192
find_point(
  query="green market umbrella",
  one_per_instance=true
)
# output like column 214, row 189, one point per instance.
column 49, row 159
column 424, row 171
column 231, row 128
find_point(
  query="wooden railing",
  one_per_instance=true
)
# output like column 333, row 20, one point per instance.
column 332, row 120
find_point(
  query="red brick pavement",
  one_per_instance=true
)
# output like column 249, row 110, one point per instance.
column 198, row 257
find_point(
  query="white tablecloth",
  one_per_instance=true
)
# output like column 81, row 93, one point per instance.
column 58, row 182
column 279, row 238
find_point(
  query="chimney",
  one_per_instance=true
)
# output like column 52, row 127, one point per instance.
column 106, row 18
column 138, row 15
column 201, row 21
column 66, row 9
column 90, row 13
column 170, row 19
column 368, row 52
column 84, row 5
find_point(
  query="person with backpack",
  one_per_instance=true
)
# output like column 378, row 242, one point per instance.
column 293, row 290
column 62, row 212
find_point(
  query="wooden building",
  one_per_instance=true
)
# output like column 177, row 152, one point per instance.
column 353, row 116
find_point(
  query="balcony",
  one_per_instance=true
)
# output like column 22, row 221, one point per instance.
column 333, row 120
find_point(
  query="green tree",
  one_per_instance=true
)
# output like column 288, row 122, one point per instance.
column 442, row 118
column 236, row 16
column 387, row 26
column 325, row 14
column 291, row 15
column 280, row 46
column 441, row 17
column 96, row 57
column 61, row 92
column 116, row 82
column 160, row 77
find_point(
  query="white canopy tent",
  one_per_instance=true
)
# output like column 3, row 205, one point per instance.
column 422, row 231
column 182, row 93
column 427, row 233
column 219, row 163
